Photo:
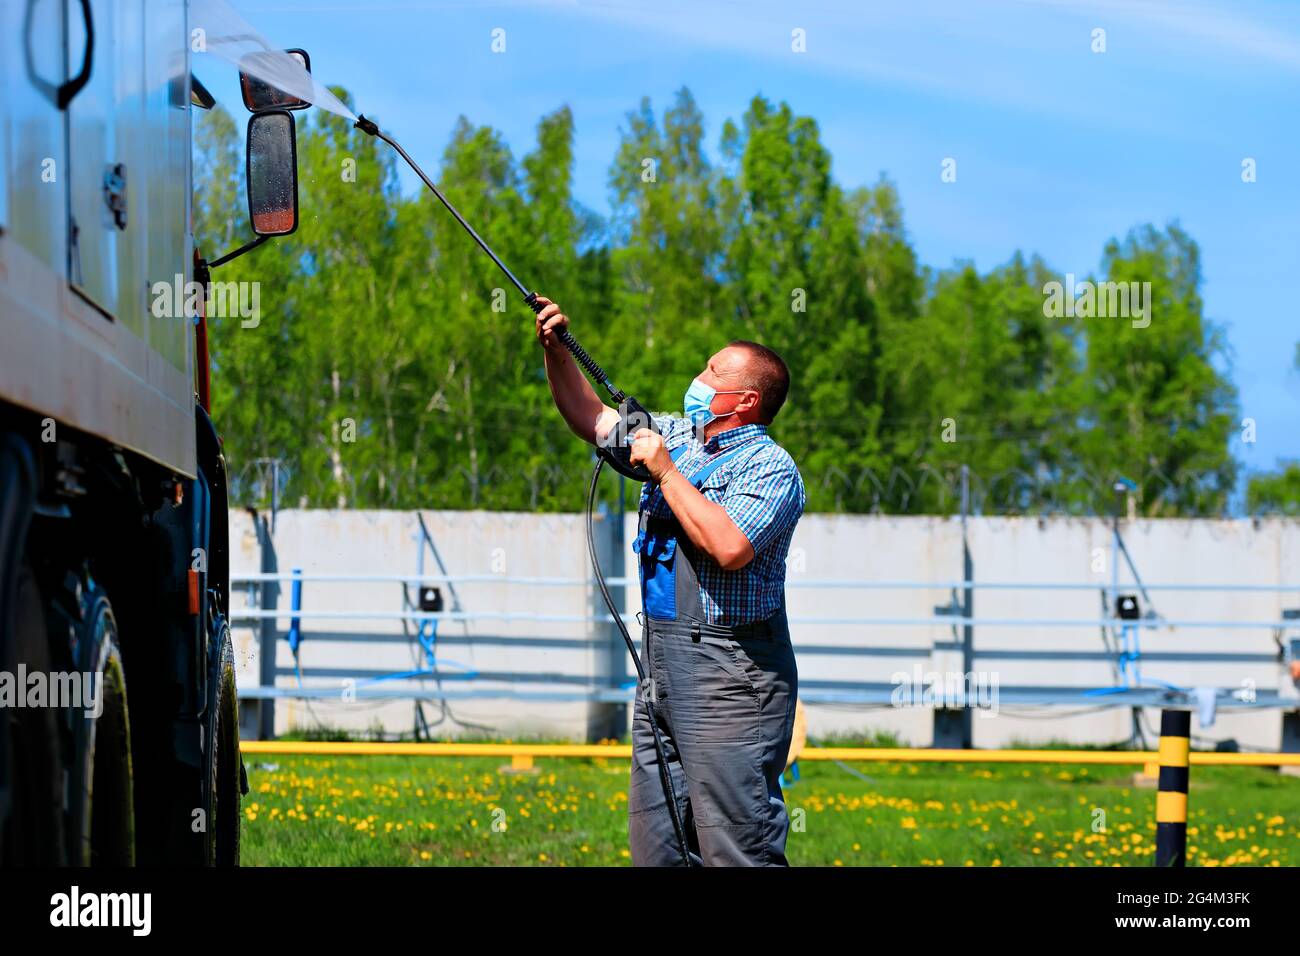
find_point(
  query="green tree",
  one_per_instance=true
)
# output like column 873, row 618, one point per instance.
column 981, row 378
column 666, row 311
column 1276, row 491
column 797, row 279
column 1158, row 407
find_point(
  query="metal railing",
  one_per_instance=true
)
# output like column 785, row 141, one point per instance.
column 839, row 692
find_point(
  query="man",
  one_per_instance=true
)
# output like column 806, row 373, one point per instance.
column 715, row 527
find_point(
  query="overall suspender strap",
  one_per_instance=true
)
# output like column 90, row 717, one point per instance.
column 700, row 477
column 703, row 475
column 669, row 583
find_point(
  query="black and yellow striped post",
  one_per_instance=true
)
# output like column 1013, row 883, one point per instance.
column 1171, row 797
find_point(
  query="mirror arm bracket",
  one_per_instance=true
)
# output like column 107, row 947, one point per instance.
column 236, row 253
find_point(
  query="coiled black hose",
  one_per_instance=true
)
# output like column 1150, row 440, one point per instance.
column 665, row 778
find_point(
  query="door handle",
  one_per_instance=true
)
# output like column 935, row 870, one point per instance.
column 68, row 91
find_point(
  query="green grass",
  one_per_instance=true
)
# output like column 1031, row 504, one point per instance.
column 395, row 811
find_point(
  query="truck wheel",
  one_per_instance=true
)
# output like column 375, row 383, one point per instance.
column 101, row 791
column 224, row 784
column 33, row 826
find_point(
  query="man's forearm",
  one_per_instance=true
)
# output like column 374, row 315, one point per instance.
column 573, row 395
column 706, row 523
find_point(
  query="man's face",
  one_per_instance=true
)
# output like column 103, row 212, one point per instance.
column 724, row 373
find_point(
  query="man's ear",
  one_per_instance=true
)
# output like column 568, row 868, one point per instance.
column 750, row 400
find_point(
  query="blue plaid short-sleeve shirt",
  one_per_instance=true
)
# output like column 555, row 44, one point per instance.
column 762, row 492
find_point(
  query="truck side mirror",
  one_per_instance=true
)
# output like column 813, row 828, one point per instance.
column 260, row 95
column 272, row 161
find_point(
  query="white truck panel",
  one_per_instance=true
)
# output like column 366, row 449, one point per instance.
column 78, row 340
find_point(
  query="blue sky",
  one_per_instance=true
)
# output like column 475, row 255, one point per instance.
column 1058, row 148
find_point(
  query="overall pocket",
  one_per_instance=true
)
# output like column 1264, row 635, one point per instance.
column 767, row 663
column 722, row 706
column 657, row 552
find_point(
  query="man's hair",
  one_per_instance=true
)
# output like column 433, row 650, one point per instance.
column 767, row 374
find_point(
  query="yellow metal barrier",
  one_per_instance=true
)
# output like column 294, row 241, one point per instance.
column 521, row 754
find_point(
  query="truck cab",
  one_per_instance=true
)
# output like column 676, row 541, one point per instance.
column 116, row 670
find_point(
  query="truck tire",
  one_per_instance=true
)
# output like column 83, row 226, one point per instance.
column 224, row 769
column 33, row 825
column 101, row 805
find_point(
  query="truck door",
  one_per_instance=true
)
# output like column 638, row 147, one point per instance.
column 33, row 208
column 98, row 177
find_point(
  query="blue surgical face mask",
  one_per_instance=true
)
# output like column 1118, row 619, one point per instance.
column 698, row 403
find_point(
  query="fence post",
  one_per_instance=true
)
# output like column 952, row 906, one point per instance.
column 1171, row 797
column 968, row 612
column 269, row 592
column 1290, row 731
column 607, row 720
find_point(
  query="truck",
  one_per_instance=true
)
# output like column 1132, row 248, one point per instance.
column 119, row 739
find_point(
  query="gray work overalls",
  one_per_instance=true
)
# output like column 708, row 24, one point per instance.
column 724, row 699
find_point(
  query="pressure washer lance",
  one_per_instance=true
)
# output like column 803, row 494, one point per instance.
column 632, row 415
